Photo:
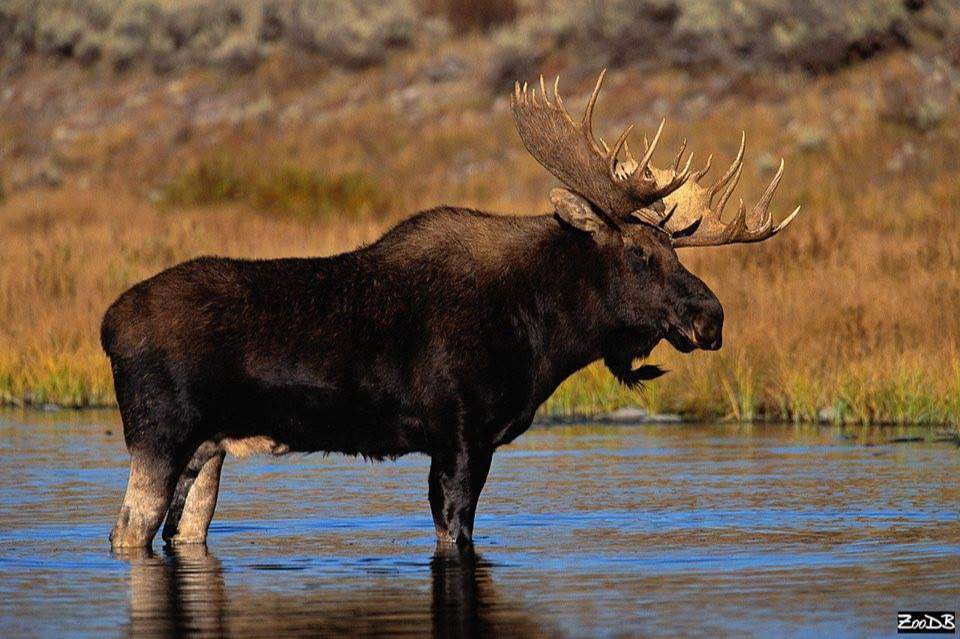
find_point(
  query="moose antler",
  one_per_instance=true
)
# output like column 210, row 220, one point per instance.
column 569, row 151
column 692, row 204
column 626, row 188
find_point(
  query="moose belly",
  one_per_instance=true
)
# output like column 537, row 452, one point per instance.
column 277, row 421
column 246, row 446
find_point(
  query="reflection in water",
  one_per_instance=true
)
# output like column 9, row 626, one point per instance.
column 183, row 592
column 457, row 595
column 176, row 594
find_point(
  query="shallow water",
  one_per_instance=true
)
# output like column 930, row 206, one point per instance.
column 582, row 531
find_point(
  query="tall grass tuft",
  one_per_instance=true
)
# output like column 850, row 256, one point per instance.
column 739, row 387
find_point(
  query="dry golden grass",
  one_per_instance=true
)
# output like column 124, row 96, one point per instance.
column 855, row 308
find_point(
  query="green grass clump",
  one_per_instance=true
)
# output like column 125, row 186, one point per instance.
column 215, row 181
column 594, row 390
column 61, row 380
column 286, row 190
column 310, row 196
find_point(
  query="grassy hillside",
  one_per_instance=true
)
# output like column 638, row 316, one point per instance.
column 110, row 173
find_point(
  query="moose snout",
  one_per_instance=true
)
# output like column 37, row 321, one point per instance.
column 708, row 328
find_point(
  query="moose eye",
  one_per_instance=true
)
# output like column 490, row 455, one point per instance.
column 639, row 258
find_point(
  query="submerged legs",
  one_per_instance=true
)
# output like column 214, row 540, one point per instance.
column 157, row 487
column 456, row 479
column 149, row 490
column 195, row 497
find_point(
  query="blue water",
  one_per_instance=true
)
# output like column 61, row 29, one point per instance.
column 589, row 530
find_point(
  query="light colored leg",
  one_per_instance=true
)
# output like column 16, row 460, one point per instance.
column 196, row 498
column 149, row 490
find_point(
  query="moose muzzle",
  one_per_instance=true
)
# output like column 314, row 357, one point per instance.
column 708, row 327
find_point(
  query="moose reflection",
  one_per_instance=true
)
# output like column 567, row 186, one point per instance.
column 183, row 592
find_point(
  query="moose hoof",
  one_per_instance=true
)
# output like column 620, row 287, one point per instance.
column 132, row 530
column 445, row 538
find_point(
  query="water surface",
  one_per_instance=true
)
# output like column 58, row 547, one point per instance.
column 583, row 531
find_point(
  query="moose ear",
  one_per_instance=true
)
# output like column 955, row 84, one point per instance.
column 575, row 211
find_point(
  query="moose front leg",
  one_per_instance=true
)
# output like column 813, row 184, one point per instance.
column 456, row 479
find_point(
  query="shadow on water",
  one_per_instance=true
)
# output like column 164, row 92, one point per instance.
column 182, row 592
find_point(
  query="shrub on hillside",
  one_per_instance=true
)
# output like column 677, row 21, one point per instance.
column 59, row 31
column 817, row 35
column 472, row 15
column 918, row 95
column 127, row 32
column 352, row 34
column 514, row 55
column 138, row 32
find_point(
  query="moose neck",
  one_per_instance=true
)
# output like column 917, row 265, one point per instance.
column 568, row 318
column 544, row 284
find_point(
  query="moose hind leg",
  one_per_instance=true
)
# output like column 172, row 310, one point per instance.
column 149, row 489
column 456, row 479
column 195, row 498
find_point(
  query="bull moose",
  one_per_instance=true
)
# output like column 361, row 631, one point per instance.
column 443, row 337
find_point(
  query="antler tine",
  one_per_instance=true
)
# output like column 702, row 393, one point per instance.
column 612, row 155
column 685, row 173
column 679, row 156
column 650, row 149
column 738, row 227
column 543, row 90
column 678, row 179
column 587, row 122
column 737, row 163
column 706, row 168
column 666, row 218
column 728, row 191
column 787, row 220
column 647, row 216
column 627, row 155
column 761, row 215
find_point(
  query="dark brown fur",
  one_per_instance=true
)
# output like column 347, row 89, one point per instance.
column 443, row 338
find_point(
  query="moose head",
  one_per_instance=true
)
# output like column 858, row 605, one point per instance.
column 637, row 215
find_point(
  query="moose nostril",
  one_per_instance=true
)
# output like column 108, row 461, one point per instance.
column 707, row 333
